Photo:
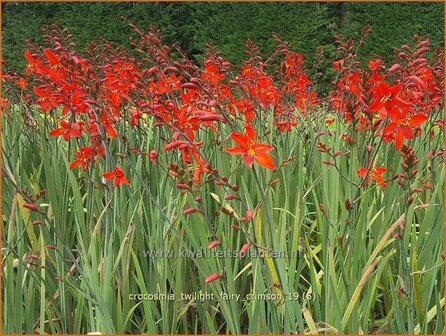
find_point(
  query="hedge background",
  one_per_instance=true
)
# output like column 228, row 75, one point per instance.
column 306, row 26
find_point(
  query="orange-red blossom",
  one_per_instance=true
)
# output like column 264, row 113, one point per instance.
column 117, row 176
column 374, row 174
column 250, row 149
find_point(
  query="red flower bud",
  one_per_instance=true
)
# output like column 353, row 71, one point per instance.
column 182, row 186
column 170, row 69
column 245, row 249
column 152, row 70
column 340, row 241
column 191, row 211
column 394, row 68
column 249, row 215
column 211, row 117
column 273, row 182
column 31, row 207
column 419, row 61
column 402, row 226
column 417, row 81
column 405, row 47
column 214, row 244
column 173, row 145
column 189, row 86
column 213, row 278
column 231, row 197
column 153, row 156
column 423, row 43
column 422, row 51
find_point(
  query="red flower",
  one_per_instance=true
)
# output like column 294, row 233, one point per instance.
column 337, row 65
column 251, row 150
column 153, row 156
column 386, row 97
column 22, row 83
column 85, row 156
column 66, row 130
column 400, row 128
column 374, row 64
column 244, row 107
column 203, row 167
column 52, row 59
column 169, row 84
column 264, row 91
column 117, row 176
column 32, row 62
column 374, row 174
column 285, row 126
column 46, row 99
column 211, row 74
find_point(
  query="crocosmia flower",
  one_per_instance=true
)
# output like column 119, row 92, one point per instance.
column 117, row 176
column 374, row 174
column 251, row 150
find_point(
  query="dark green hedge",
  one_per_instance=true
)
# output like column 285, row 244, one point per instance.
column 226, row 25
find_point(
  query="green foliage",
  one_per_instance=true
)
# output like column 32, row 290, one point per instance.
column 347, row 259
column 307, row 26
column 86, row 21
column 394, row 24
